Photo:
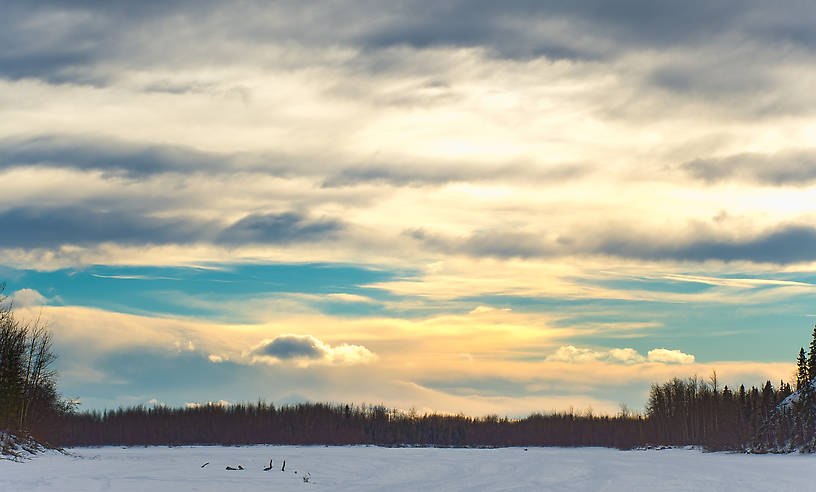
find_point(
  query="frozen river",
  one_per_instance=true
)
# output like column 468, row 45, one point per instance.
column 179, row 469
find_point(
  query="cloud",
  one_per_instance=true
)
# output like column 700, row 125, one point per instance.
column 33, row 49
column 350, row 298
column 62, row 42
column 783, row 245
column 135, row 356
column 491, row 243
column 110, row 155
column 488, row 310
column 139, row 161
column 24, row 298
column 787, row 168
column 35, row 227
column 440, row 173
column 306, row 349
column 219, row 403
column 51, row 227
column 556, row 29
column 278, row 228
column 570, row 353
column 136, row 160
column 670, row 356
column 293, row 346
column 626, row 355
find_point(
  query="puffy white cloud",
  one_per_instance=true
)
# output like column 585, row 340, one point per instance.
column 570, row 353
column 670, row 356
column 27, row 298
column 626, row 355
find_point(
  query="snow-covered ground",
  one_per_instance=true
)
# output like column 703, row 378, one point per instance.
column 179, row 469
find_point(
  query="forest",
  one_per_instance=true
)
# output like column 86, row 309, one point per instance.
column 679, row 412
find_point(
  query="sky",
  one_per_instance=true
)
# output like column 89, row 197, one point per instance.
column 461, row 206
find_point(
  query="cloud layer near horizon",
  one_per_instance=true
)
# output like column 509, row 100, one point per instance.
column 468, row 373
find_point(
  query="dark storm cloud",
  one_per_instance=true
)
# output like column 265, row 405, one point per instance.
column 794, row 168
column 287, row 347
column 279, row 228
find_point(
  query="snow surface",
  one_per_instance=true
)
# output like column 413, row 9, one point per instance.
column 177, row 469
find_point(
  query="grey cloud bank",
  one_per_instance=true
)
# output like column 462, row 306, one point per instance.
column 508, row 28
column 278, row 228
column 786, row 244
column 33, row 227
column 134, row 160
column 105, row 154
column 793, row 168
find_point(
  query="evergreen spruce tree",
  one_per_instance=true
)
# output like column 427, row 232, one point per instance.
column 811, row 363
column 805, row 411
column 801, row 370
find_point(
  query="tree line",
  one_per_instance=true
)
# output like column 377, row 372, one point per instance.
column 679, row 412
column 338, row 424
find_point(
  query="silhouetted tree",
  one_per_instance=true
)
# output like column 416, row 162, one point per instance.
column 28, row 397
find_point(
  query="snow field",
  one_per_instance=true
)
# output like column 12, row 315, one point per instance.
column 178, row 469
